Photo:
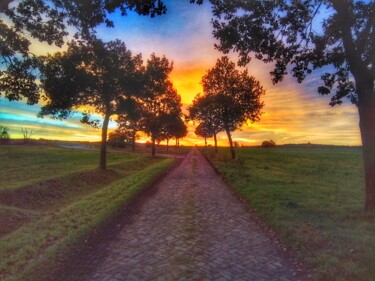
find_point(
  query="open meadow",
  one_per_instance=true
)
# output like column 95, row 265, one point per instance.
column 52, row 198
column 313, row 198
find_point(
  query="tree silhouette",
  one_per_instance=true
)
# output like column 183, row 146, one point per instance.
column 284, row 32
column 162, row 102
column 4, row 134
column 236, row 96
column 202, row 130
column 130, row 124
column 27, row 133
column 205, row 109
column 101, row 76
column 174, row 127
column 180, row 129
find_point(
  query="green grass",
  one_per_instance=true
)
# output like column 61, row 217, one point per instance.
column 313, row 198
column 22, row 165
column 35, row 247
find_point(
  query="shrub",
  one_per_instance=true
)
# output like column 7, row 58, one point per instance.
column 268, row 144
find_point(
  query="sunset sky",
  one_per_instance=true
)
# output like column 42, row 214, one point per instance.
column 293, row 113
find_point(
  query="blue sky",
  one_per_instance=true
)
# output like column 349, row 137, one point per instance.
column 293, row 113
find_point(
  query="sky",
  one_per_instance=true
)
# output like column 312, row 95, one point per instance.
column 293, row 112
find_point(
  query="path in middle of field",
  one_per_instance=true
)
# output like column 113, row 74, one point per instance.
column 192, row 228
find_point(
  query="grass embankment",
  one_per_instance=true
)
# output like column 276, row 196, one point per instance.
column 23, row 165
column 313, row 198
column 34, row 247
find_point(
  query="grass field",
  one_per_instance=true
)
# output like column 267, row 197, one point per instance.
column 52, row 198
column 313, row 198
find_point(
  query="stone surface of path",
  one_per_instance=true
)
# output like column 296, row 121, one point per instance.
column 192, row 228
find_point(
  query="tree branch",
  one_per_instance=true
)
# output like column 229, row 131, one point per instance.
column 354, row 59
column 363, row 37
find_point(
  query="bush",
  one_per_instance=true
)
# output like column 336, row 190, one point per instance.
column 268, row 144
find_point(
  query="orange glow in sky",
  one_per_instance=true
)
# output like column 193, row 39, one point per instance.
column 293, row 113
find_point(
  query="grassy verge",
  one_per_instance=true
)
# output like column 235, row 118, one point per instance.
column 314, row 199
column 56, row 223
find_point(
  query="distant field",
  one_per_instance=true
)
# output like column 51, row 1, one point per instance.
column 52, row 198
column 314, row 199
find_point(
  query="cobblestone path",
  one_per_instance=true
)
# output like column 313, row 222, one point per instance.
column 192, row 228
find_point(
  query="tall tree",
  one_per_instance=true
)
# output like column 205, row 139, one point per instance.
column 236, row 94
column 290, row 33
column 101, row 76
column 205, row 109
column 157, row 113
column 162, row 101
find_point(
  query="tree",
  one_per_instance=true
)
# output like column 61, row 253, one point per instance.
column 103, row 77
column 267, row 144
column 180, row 130
column 119, row 137
column 174, row 127
column 49, row 21
column 203, row 130
column 27, row 133
column 4, row 134
column 206, row 110
column 162, row 102
column 236, row 94
column 157, row 113
column 284, row 32
column 130, row 124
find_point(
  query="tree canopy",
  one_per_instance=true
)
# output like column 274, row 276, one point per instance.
column 236, row 96
column 103, row 77
column 49, row 21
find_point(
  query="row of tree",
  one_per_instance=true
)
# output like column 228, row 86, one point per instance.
column 159, row 116
column 105, row 78
column 288, row 34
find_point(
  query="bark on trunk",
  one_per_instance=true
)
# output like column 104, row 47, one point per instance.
column 215, row 140
column 133, row 145
column 366, row 110
column 153, row 146
column 103, row 145
column 231, row 144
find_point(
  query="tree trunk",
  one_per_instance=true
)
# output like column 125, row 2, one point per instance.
column 366, row 109
column 133, row 136
column 205, row 142
column 215, row 140
column 103, row 145
column 153, row 146
column 167, row 144
column 231, row 144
